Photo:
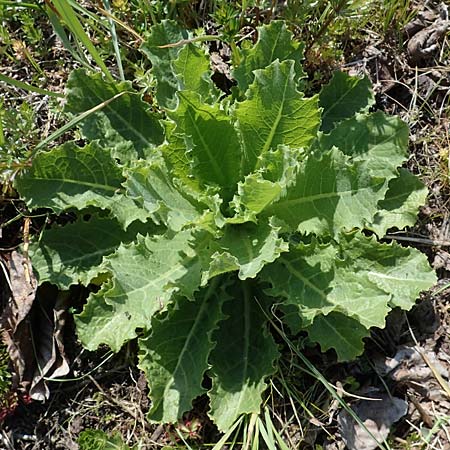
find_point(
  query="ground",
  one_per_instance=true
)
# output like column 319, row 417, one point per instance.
column 407, row 60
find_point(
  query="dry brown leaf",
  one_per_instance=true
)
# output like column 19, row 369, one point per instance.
column 377, row 416
column 32, row 326
column 50, row 357
column 426, row 33
column 14, row 321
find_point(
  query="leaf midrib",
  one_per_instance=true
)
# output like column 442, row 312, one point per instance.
column 336, row 103
column 79, row 182
column 86, row 256
column 126, row 124
column 216, row 168
column 326, row 195
column 153, row 283
column 198, row 319
column 392, row 278
column 269, row 140
column 305, row 280
column 247, row 327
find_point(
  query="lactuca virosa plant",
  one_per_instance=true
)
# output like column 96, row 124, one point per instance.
column 201, row 218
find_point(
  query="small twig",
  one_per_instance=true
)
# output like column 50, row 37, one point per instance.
column 121, row 23
column 206, row 37
column 435, row 243
column 26, row 244
column 427, row 419
column 111, row 399
column 157, row 433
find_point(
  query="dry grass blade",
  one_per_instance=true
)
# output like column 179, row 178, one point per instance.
column 444, row 385
column 416, row 240
column 126, row 27
column 207, row 37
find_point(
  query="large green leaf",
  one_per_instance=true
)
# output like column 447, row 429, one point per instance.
column 330, row 194
column 339, row 332
column 73, row 253
column 402, row 272
column 377, row 141
column 71, row 177
column 343, row 97
column 155, row 191
column 175, row 355
column 276, row 171
column 275, row 41
column 275, row 113
column 177, row 68
column 245, row 248
column 192, row 68
column 243, row 358
column 358, row 277
column 145, row 275
column 214, row 161
column 78, row 177
column 166, row 32
column 402, row 202
column 125, row 125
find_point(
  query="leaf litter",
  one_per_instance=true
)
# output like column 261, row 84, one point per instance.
column 32, row 326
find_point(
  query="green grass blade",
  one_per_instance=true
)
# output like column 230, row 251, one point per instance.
column 255, row 435
column 59, row 30
column 115, row 41
column 316, row 373
column 269, row 428
column 28, row 87
column 72, row 22
column 60, row 131
column 2, row 135
column 251, row 434
column 266, row 435
column 80, row 8
column 281, row 444
column 98, row 25
column 223, row 441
